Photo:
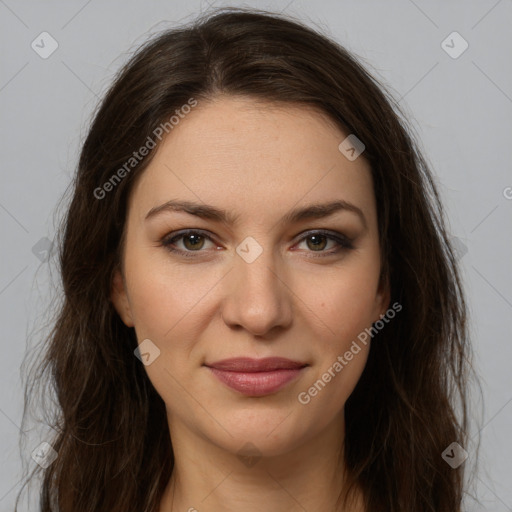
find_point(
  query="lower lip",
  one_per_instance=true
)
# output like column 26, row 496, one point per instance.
column 256, row 383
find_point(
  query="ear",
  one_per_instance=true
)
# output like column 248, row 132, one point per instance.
column 119, row 298
column 383, row 297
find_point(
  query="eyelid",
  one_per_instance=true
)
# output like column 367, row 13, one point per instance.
column 168, row 240
column 343, row 242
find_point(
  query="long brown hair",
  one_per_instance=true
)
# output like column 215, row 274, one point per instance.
column 112, row 438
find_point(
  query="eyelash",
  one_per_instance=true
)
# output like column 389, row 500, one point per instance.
column 343, row 242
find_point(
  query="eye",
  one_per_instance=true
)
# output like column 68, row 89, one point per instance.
column 193, row 241
column 317, row 241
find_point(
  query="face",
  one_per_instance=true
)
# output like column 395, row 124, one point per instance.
column 254, row 273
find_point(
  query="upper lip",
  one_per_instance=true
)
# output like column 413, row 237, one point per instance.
column 247, row 364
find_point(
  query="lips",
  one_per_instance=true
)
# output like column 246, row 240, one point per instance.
column 256, row 377
column 248, row 365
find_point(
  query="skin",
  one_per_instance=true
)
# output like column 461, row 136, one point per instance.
column 295, row 300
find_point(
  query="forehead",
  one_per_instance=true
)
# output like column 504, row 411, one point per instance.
column 253, row 157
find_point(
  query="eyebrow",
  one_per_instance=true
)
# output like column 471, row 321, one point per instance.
column 314, row 211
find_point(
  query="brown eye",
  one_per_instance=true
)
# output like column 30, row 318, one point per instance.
column 187, row 242
column 193, row 241
column 318, row 242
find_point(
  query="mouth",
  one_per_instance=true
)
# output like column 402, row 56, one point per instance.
column 256, row 377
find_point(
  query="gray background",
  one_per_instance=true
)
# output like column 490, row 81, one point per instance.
column 461, row 109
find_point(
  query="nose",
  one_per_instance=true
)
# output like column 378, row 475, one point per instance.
column 257, row 297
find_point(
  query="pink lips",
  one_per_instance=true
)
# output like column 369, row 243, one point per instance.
column 256, row 377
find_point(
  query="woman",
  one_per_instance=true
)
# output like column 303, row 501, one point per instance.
column 262, row 309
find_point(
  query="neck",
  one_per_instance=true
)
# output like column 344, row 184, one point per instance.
column 209, row 478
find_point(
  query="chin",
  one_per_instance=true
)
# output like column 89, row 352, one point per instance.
column 268, row 434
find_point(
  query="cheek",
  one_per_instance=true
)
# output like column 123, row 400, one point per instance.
column 172, row 307
column 341, row 306
column 340, row 352
column 164, row 296
column 343, row 301
column 167, row 309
